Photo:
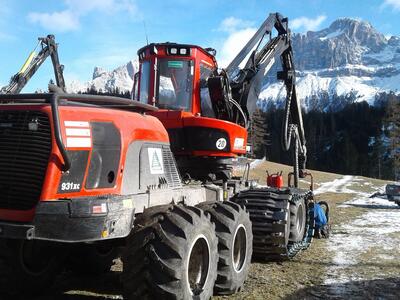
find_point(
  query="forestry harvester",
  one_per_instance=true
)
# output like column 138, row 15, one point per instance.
column 84, row 179
column 207, row 112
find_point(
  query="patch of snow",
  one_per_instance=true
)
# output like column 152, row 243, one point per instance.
column 312, row 85
column 387, row 83
column 331, row 35
column 362, row 199
column 255, row 163
column 373, row 229
column 336, row 186
column 385, row 56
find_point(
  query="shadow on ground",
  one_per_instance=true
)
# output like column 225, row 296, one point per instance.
column 372, row 206
column 383, row 289
column 69, row 286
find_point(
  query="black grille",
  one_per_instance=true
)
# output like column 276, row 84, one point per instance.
column 171, row 172
column 25, row 145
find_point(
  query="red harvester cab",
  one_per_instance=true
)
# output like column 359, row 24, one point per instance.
column 173, row 77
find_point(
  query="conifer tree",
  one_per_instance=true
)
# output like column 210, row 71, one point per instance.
column 393, row 119
column 258, row 134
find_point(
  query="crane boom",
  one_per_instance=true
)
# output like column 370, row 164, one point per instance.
column 245, row 83
column 33, row 63
column 274, row 20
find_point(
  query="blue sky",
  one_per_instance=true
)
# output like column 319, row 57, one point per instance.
column 107, row 33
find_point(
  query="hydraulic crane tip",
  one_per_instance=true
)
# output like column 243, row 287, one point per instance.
column 33, row 63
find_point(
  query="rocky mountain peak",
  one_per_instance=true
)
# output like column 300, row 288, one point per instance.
column 120, row 78
column 394, row 41
column 348, row 23
column 349, row 60
column 98, row 72
column 344, row 42
column 360, row 32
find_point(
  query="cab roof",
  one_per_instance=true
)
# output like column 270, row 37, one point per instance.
column 207, row 51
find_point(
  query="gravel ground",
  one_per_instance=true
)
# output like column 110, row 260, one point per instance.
column 360, row 261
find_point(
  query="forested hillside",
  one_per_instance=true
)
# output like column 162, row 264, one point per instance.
column 358, row 140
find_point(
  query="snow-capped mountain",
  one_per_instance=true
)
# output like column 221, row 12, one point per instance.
column 108, row 81
column 349, row 61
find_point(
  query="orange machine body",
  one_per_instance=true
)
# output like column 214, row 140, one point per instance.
column 76, row 124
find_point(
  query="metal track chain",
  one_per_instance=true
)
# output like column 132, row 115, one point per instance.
column 269, row 213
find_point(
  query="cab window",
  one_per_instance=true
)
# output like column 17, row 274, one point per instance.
column 174, row 84
column 205, row 100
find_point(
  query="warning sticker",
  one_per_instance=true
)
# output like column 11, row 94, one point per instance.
column 156, row 161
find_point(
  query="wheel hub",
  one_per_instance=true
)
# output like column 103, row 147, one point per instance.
column 300, row 219
column 198, row 264
column 239, row 251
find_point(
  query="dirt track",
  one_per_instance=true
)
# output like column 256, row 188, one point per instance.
column 360, row 261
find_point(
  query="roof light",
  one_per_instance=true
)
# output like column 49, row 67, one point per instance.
column 174, row 51
column 183, row 51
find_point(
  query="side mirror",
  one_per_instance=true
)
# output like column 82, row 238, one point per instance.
column 135, row 90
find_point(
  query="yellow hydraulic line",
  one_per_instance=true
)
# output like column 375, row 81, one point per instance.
column 27, row 62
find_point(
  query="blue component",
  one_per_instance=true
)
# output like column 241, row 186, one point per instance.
column 320, row 217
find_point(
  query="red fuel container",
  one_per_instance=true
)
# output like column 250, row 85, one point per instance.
column 275, row 180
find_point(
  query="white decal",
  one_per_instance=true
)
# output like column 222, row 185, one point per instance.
column 221, row 144
column 238, row 145
column 155, row 161
column 78, row 142
column 76, row 124
column 79, row 135
column 70, row 186
column 100, row 209
column 77, row 131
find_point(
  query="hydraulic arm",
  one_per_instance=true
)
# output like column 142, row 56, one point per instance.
column 245, row 84
column 33, row 63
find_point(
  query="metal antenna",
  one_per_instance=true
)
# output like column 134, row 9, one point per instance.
column 145, row 31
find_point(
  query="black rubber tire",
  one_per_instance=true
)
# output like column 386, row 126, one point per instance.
column 298, row 218
column 232, row 223
column 23, row 276
column 156, row 259
column 91, row 259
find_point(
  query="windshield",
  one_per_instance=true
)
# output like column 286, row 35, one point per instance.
column 174, row 84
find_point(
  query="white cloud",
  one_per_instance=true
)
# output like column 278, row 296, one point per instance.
column 59, row 21
column 395, row 4
column 307, row 24
column 232, row 24
column 233, row 44
column 239, row 32
column 69, row 19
